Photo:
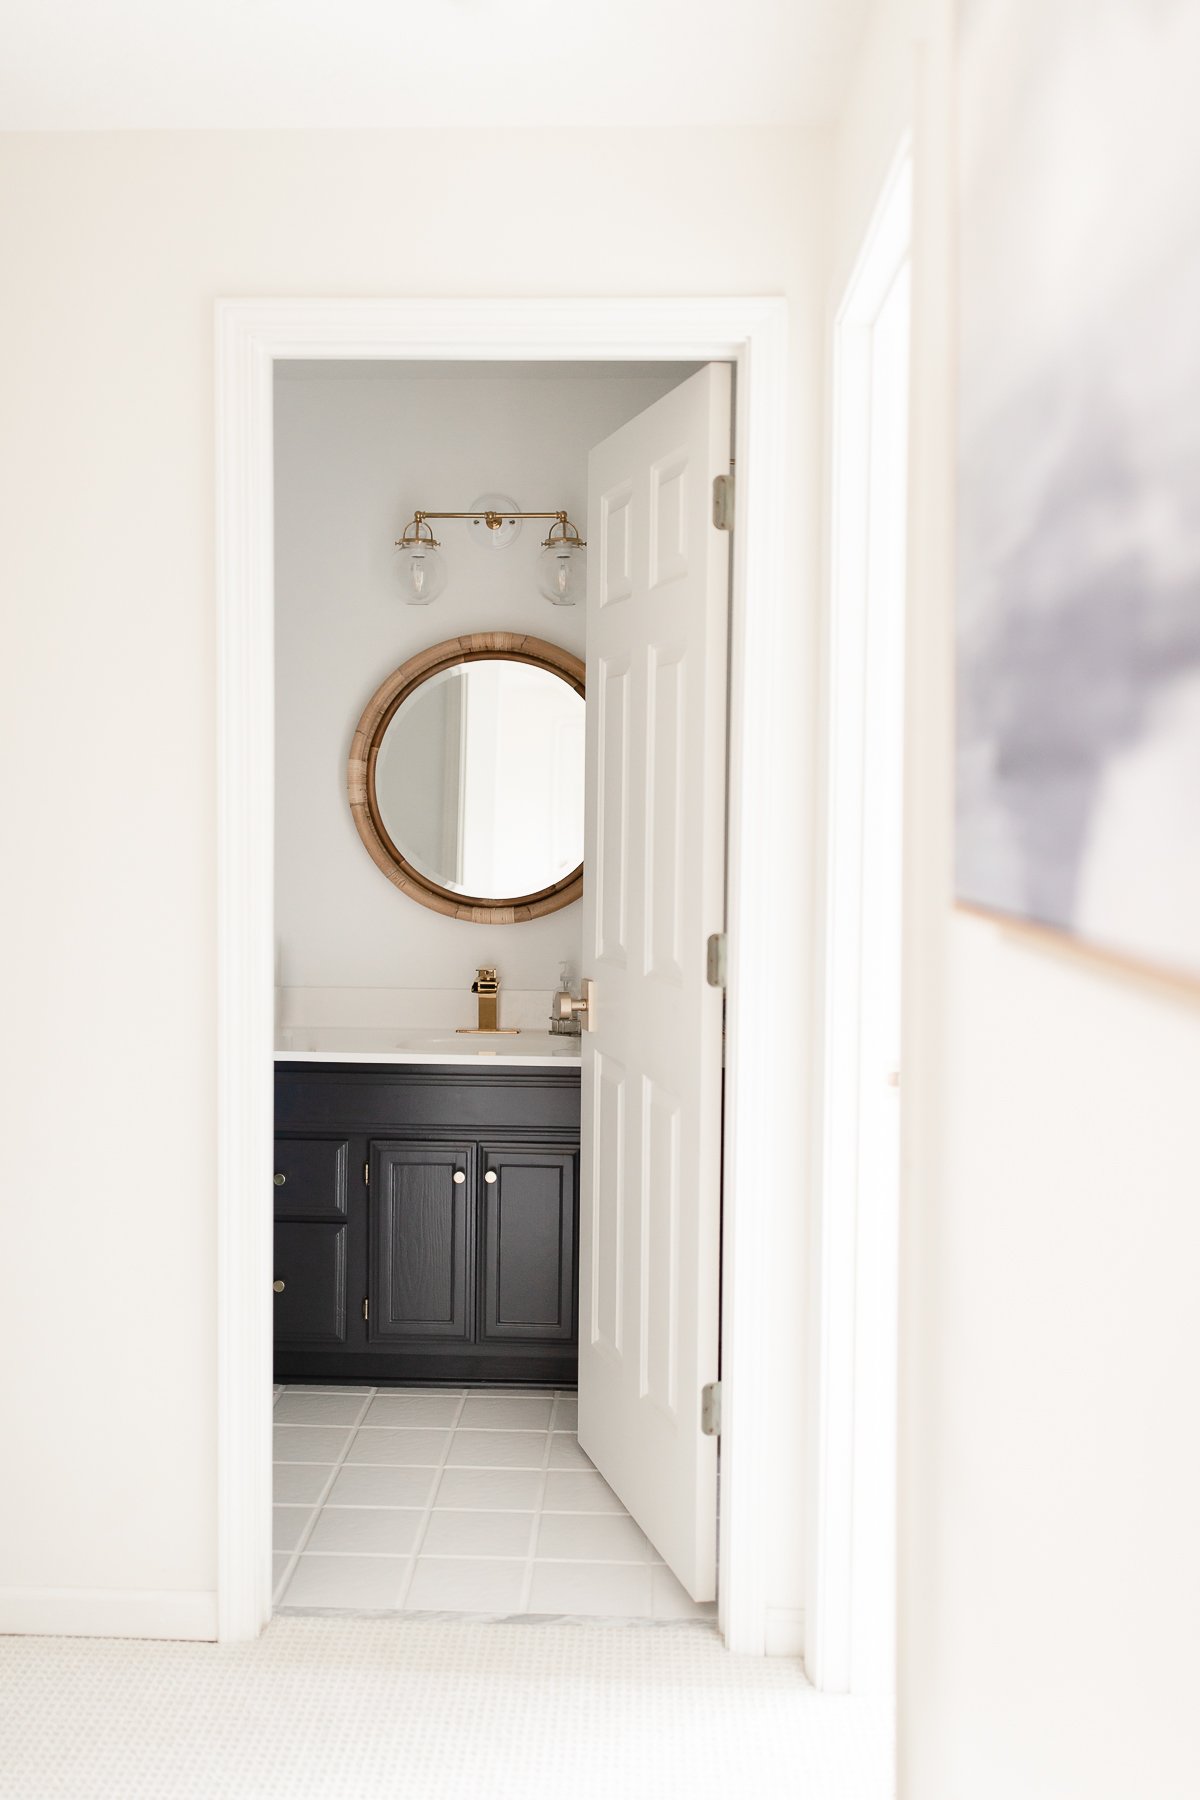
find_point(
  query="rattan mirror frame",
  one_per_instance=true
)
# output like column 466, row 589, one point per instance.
column 490, row 646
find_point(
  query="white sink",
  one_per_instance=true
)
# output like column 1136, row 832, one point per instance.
column 381, row 1044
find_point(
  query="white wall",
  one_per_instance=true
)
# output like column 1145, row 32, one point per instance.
column 355, row 453
column 115, row 248
column 1050, row 1332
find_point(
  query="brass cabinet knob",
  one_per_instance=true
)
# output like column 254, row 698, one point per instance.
column 491, row 1176
column 278, row 1286
column 279, row 1180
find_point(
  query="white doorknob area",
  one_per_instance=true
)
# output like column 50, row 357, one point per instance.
column 459, row 1178
column 491, row 1176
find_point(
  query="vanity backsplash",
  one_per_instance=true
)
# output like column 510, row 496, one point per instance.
column 416, row 1009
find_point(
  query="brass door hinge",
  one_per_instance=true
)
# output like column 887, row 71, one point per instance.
column 366, row 1174
column 722, row 502
column 718, row 960
column 710, row 1409
column 366, row 1308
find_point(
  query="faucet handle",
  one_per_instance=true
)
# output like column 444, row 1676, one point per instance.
column 486, row 982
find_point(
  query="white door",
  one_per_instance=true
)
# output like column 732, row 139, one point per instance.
column 654, row 890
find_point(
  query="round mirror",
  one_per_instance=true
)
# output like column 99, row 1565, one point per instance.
column 466, row 777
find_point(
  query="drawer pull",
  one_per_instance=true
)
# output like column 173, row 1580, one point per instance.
column 278, row 1286
column 459, row 1178
column 279, row 1180
column 491, row 1176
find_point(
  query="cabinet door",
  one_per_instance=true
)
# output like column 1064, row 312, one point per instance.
column 310, row 1263
column 422, row 1202
column 529, row 1268
column 311, row 1176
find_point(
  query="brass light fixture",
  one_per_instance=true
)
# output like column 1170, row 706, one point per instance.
column 562, row 566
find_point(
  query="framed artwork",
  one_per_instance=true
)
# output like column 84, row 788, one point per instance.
column 1078, row 472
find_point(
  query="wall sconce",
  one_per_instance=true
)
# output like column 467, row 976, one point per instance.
column 562, row 566
column 419, row 567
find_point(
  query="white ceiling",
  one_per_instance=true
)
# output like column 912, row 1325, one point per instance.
column 84, row 65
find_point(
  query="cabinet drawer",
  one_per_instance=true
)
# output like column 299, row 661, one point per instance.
column 529, row 1212
column 421, row 1261
column 310, row 1261
column 310, row 1177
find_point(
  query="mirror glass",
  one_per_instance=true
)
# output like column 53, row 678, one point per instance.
column 479, row 778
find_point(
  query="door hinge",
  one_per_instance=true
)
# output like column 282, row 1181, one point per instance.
column 718, row 957
column 366, row 1308
column 366, row 1174
column 710, row 1409
column 723, row 502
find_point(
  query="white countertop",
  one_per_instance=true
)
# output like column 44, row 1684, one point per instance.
column 381, row 1044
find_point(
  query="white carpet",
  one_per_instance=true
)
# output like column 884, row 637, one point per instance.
column 428, row 1709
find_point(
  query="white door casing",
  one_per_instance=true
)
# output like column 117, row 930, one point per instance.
column 654, row 890
column 251, row 337
column 852, row 1457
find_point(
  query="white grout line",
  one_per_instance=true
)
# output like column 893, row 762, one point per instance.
column 527, row 1582
column 536, row 1513
column 559, row 1512
column 428, row 1425
column 428, row 1513
column 284, row 1582
column 465, row 1512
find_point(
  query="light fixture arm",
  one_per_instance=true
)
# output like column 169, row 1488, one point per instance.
column 418, row 530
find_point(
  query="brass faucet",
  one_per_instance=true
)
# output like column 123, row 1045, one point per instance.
column 487, row 986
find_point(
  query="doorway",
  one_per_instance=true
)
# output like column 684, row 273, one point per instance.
column 252, row 336
column 424, row 1215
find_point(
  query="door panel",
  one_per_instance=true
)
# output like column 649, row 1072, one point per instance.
column 606, row 1234
column 529, row 1244
column 310, row 1260
column 661, row 1116
column 616, row 546
column 666, row 710
column 608, row 870
column 421, row 1262
column 653, row 893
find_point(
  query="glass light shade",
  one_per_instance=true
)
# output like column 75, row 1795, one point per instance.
column 498, row 536
column 562, row 573
column 420, row 572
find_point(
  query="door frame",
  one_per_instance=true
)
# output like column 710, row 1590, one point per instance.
column 836, row 1248
column 251, row 336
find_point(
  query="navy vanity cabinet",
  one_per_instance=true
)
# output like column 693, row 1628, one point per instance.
column 310, row 1284
column 311, row 1187
column 426, row 1223
column 530, row 1208
column 420, row 1263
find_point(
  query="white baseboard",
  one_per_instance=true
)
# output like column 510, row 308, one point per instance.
column 784, row 1635
column 109, row 1612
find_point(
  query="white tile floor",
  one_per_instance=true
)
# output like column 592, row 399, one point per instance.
column 465, row 1500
